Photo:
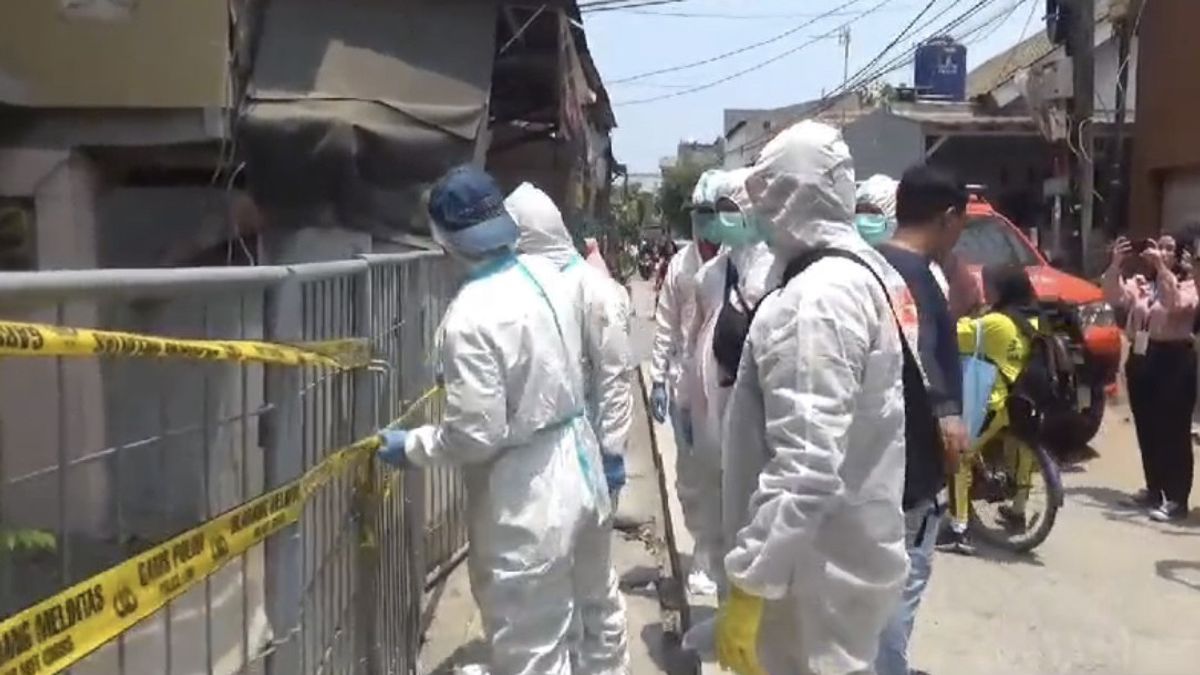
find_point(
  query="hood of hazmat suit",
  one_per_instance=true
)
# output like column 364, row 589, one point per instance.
column 878, row 192
column 674, row 316
column 600, row 303
column 813, row 456
column 508, row 350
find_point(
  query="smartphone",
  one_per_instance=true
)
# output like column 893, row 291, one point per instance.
column 1141, row 245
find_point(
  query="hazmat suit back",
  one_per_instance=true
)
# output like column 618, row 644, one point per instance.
column 602, row 332
column 813, row 454
column 509, row 349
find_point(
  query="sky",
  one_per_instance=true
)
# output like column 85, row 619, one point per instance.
column 631, row 42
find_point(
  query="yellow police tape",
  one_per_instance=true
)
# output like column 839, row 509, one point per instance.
column 31, row 339
column 58, row 632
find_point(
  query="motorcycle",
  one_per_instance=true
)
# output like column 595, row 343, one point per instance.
column 646, row 266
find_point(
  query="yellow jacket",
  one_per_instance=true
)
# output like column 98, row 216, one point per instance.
column 1002, row 344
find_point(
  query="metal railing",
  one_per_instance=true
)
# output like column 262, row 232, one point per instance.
column 101, row 459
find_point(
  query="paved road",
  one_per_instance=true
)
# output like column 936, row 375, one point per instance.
column 1110, row 593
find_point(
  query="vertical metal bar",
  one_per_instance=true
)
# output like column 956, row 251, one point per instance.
column 244, row 488
column 168, row 611
column 285, row 460
column 206, row 441
column 366, row 502
column 64, row 541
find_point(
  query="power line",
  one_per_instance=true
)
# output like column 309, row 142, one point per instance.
column 739, row 50
column 742, row 17
column 758, row 66
column 615, row 5
column 862, row 77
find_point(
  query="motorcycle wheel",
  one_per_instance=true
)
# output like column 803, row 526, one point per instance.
column 996, row 484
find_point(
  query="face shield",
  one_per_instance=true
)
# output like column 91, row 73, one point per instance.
column 735, row 228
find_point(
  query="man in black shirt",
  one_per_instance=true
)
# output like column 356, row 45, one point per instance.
column 930, row 214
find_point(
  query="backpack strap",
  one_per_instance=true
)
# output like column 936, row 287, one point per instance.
column 732, row 284
column 811, row 256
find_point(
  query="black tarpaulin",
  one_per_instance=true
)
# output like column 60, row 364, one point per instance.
column 355, row 106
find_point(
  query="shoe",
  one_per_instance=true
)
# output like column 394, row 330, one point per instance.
column 700, row 583
column 957, row 542
column 1144, row 499
column 1169, row 512
column 1012, row 519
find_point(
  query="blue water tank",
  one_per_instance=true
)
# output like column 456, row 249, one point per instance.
column 941, row 70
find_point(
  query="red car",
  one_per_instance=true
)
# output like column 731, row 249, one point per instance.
column 991, row 238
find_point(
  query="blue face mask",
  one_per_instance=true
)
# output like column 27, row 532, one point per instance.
column 735, row 230
column 874, row 228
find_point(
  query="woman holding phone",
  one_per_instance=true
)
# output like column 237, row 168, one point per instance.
column 1160, row 370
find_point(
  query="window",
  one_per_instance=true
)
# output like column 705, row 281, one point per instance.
column 988, row 240
column 17, row 252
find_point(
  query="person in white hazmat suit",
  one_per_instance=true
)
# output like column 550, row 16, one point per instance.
column 670, row 371
column 736, row 276
column 609, row 404
column 814, row 450
column 509, row 351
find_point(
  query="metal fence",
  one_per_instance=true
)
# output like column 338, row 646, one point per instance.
column 101, row 459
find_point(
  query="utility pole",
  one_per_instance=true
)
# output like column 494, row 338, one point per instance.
column 844, row 40
column 1125, row 25
column 1081, row 40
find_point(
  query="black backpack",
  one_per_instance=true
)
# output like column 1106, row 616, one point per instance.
column 1048, row 382
column 732, row 329
column 924, row 475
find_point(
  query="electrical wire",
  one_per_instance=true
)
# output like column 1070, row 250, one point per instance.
column 862, row 77
column 613, row 5
column 739, row 50
column 741, row 17
column 758, row 66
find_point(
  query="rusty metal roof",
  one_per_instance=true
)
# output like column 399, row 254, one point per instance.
column 1000, row 68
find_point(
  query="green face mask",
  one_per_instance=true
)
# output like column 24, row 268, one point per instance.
column 704, row 224
column 874, row 228
column 735, row 230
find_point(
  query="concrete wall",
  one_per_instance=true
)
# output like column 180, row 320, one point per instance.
column 883, row 143
column 1168, row 140
column 112, row 53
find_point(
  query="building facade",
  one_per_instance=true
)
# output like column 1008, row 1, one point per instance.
column 1165, row 178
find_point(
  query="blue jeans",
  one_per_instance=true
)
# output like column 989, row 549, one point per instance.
column 921, row 525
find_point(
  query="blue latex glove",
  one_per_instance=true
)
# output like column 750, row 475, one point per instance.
column 685, row 426
column 658, row 402
column 392, row 448
column 614, row 472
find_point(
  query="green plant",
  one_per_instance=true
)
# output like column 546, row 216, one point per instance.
column 676, row 194
column 28, row 540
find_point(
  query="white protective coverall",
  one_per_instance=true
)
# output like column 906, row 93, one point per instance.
column 609, row 404
column 509, row 349
column 707, row 397
column 814, row 449
column 672, row 362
